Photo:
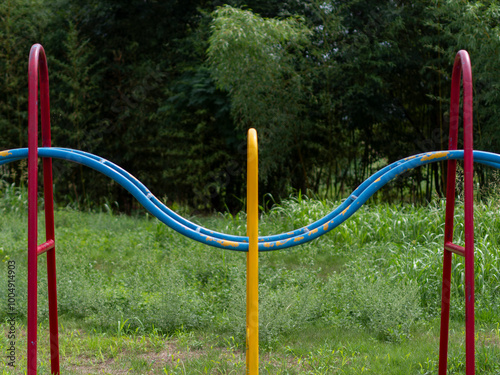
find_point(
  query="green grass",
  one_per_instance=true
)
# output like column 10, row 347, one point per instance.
column 136, row 297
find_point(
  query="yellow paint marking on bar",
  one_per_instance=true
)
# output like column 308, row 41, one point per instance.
column 298, row 239
column 5, row 153
column 226, row 243
column 312, row 232
column 437, row 155
column 280, row 243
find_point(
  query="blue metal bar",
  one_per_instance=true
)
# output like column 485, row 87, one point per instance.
column 240, row 243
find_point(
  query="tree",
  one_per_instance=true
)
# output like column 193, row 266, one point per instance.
column 255, row 60
column 21, row 25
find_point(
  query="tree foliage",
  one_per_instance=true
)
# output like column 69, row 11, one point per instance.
column 255, row 60
column 21, row 23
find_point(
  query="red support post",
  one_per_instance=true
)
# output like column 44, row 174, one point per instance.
column 461, row 67
column 38, row 67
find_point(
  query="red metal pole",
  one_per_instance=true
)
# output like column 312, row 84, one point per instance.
column 32, row 208
column 470, row 365
column 461, row 66
column 38, row 64
column 448, row 226
column 49, row 220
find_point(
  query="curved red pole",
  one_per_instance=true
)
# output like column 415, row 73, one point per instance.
column 461, row 67
column 38, row 70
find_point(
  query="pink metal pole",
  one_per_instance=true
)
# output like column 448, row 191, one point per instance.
column 470, row 364
column 32, row 207
column 461, row 66
column 38, row 64
column 49, row 221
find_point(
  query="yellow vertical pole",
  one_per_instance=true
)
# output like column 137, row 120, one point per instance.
column 252, row 347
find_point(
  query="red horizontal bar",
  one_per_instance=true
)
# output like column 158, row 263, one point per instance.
column 457, row 249
column 46, row 246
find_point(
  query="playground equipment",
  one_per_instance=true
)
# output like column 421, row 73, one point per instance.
column 252, row 244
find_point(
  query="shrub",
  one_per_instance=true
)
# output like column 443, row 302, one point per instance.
column 387, row 309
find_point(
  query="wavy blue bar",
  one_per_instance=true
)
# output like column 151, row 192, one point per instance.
column 240, row 243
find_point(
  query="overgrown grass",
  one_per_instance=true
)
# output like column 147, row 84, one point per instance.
column 140, row 298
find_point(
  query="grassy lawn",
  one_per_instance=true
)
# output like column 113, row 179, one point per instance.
column 137, row 298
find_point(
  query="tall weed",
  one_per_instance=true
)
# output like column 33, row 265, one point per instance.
column 383, row 307
column 379, row 272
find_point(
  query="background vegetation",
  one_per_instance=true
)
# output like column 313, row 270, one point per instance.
column 166, row 89
column 336, row 90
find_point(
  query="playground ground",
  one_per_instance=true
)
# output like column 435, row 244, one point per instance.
column 135, row 297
